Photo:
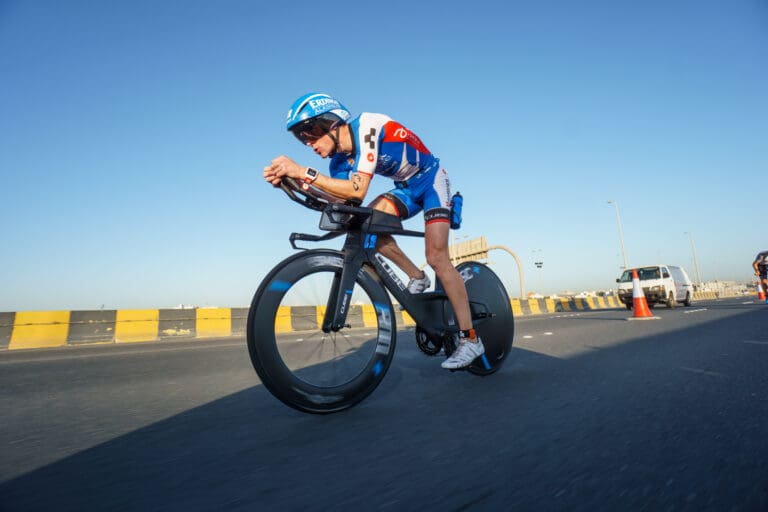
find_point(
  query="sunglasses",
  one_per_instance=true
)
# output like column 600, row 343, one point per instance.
column 312, row 129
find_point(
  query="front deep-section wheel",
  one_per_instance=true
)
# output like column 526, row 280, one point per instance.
column 304, row 367
column 492, row 315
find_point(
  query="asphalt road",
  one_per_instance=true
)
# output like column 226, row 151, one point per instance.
column 592, row 412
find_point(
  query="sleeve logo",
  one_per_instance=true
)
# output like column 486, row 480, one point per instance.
column 371, row 138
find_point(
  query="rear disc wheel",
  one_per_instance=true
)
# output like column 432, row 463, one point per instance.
column 486, row 293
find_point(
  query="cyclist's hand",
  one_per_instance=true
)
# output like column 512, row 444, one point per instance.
column 282, row 166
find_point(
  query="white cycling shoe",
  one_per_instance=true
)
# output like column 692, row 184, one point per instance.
column 464, row 354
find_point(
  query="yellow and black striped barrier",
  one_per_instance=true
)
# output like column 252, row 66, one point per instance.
column 48, row 329
column 562, row 304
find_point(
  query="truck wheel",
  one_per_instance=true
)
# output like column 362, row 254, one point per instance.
column 687, row 300
column 629, row 305
column 671, row 301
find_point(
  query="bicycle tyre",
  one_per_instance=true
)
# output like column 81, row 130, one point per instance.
column 302, row 366
column 498, row 332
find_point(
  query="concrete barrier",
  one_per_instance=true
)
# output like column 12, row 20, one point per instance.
column 50, row 329
column 708, row 295
column 6, row 329
column 47, row 329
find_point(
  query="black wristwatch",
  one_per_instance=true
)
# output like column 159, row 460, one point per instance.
column 310, row 175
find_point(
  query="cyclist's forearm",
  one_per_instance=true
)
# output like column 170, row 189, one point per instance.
column 354, row 188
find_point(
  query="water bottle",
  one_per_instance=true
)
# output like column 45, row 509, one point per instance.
column 456, row 204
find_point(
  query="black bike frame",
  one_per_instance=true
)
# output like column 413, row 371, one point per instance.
column 431, row 311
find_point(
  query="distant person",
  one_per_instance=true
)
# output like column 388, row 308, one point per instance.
column 374, row 144
column 761, row 270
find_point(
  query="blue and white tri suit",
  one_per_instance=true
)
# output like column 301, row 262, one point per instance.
column 762, row 264
column 384, row 147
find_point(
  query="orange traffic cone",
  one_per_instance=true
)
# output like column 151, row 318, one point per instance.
column 760, row 293
column 639, row 304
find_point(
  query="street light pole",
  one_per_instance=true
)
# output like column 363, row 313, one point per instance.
column 695, row 260
column 621, row 234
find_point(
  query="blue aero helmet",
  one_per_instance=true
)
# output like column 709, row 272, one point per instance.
column 314, row 115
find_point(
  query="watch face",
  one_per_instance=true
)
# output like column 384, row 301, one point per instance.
column 311, row 172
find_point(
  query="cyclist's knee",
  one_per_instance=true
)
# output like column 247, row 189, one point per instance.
column 384, row 240
column 391, row 204
column 438, row 259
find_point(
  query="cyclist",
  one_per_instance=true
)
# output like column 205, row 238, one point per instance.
column 372, row 144
column 760, row 265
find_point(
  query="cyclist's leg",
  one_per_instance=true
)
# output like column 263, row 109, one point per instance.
column 433, row 191
column 436, row 200
column 764, row 280
column 393, row 204
column 438, row 257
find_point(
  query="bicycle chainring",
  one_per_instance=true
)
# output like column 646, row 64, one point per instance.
column 429, row 346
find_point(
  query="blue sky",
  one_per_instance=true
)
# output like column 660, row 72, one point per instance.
column 133, row 135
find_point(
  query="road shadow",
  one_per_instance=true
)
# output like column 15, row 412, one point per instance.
column 596, row 431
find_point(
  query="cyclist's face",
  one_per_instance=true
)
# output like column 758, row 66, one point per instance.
column 314, row 133
column 323, row 146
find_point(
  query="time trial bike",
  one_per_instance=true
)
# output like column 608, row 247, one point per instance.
column 322, row 328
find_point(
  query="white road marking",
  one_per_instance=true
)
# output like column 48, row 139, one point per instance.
column 695, row 310
column 756, row 342
column 530, row 337
column 703, row 372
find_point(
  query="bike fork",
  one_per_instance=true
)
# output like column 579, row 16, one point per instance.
column 340, row 296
